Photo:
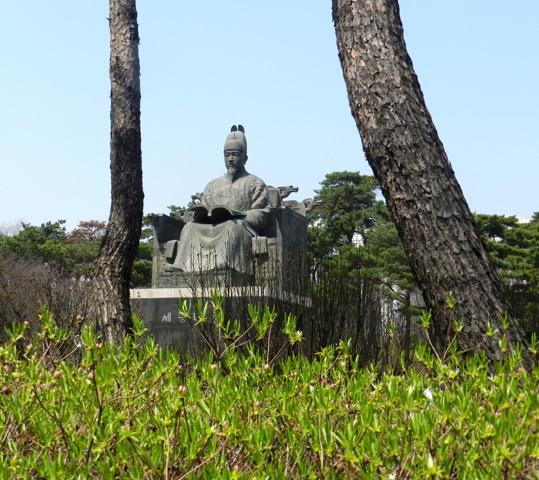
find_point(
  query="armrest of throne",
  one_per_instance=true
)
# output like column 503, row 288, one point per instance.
column 166, row 227
column 286, row 228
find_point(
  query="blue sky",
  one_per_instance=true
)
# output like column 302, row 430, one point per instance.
column 271, row 66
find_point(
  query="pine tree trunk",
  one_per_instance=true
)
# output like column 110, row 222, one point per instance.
column 113, row 267
column 424, row 198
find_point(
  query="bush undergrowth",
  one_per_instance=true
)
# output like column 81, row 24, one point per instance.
column 138, row 411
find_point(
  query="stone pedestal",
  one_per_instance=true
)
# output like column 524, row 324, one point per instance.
column 158, row 308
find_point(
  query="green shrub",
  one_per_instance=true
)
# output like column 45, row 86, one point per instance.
column 138, row 411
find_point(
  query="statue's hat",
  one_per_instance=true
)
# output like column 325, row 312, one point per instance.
column 236, row 139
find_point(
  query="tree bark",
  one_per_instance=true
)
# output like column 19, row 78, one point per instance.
column 425, row 200
column 112, row 270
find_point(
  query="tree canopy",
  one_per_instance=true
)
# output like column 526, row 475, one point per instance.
column 513, row 247
column 350, row 225
column 344, row 208
column 74, row 251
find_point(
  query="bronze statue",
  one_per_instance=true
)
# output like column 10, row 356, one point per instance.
column 233, row 209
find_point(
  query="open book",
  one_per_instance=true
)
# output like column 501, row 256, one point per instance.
column 217, row 214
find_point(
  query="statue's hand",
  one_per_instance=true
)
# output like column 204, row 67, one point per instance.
column 257, row 217
column 188, row 216
column 252, row 216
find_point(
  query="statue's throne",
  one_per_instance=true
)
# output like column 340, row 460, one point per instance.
column 279, row 253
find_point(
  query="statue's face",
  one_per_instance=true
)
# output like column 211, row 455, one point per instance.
column 234, row 159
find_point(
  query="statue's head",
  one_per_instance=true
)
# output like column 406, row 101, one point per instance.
column 235, row 150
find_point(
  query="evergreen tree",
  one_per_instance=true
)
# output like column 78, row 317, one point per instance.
column 514, row 249
column 112, row 271
column 345, row 207
column 425, row 200
column 349, row 226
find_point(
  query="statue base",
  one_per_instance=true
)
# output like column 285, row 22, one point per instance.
column 158, row 308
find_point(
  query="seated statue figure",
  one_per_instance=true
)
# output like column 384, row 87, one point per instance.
column 234, row 208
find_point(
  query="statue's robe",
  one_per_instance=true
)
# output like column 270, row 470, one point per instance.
column 226, row 245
